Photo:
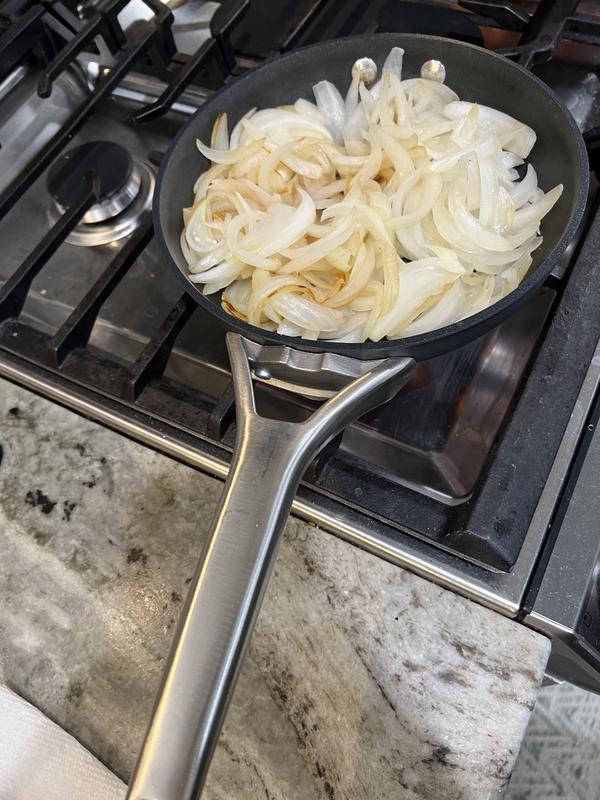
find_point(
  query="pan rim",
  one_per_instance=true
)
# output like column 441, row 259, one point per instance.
column 401, row 345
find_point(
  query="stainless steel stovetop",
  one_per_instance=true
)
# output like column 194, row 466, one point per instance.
column 481, row 475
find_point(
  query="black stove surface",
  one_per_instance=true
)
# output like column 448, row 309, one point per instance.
column 459, row 460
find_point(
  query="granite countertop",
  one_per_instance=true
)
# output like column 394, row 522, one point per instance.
column 363, row 682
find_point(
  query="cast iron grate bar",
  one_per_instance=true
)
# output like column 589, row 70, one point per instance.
column 583, row 28
column 34, row 169
column 303, row 25
column 14, row 292
column 75, row 331
column 61, row 19
column 163, row 48
column 592, row 143
column 152, row 361
column 543, row 32
column 333, row 19
column 216, row 52
column 24, row 34
column 12, row 8
column 105, row 24
column 208, row 50
column 225, row 19
column 508, row 16
column 552, row 21
column 222, row 415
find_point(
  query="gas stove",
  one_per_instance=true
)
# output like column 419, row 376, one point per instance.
column 482, row 475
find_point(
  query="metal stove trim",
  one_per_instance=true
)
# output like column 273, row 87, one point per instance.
column 563, row 599
column 502, row 592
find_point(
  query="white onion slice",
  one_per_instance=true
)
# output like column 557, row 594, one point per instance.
column 303, row 257
column 278, row 231
column 278, row 123
column 532, row 213
column 306, row 313
column 219, row 138
column 226, row 156
column 221, row 274
column 521, row 137
column 331, row 105
column 234, row 139
column 448, row 309
column 393, row 62
column 309, row 110
column 427, row 279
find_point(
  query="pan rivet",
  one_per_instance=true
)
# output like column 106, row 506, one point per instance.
column 263, row 373
column 365, row 69
column 434, row 70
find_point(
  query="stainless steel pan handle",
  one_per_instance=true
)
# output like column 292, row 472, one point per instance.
column 225, row 595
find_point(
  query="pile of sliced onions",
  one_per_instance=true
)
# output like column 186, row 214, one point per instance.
column 391, row 212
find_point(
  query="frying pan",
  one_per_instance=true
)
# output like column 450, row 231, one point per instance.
column 272, row 455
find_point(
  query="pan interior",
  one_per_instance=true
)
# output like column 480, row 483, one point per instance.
column 474, row 74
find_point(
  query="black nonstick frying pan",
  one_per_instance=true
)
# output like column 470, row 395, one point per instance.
column 271, row 455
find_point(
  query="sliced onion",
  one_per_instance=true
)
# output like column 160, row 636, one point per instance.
column 364, row 214
column 236, row 246
column 427, row 279
column 532, row 214
column 200, row 265
column 278, row 231
column 368, row 101
column 331, row 106
column 219, row 138
column 309, row 110
column 488, row 191
column 470, row 227
column 303, row 257
column 281, row 125
column 358, row 277
column 448, row 309
column 352, row 97
column 398, row 155
column 227, row 156
column 237, row 296
column 425, row 88
column 521, row 138
column 482, row 149
column 432, row 186
column 264, row 287
column 306, row 313
column 393, row 62
column 355, row 124
column 234, row 139
column 200, row 236
column 351, row 330
column 412, row 243
column 391, row 212
column 218, row 276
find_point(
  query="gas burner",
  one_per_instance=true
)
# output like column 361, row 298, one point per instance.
column 125, row 191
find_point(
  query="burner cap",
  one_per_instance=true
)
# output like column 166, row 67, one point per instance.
column 119, row 211
column 109, row 161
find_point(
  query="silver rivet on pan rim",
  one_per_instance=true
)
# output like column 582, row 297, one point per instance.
column 365, row 69
column 434, row 70
column 263, row 373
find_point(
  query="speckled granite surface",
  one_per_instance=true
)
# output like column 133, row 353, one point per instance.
column 363, row 682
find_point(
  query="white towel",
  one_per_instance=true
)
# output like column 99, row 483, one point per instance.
column 40, row 761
